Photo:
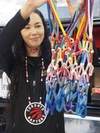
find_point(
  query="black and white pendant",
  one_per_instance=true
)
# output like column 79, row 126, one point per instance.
column 34, row 113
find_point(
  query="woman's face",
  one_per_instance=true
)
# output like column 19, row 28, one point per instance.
column 33, row 35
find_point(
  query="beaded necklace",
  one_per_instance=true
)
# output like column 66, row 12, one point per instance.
column 34, row 112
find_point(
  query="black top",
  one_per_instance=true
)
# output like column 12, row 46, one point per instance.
column 16, row 122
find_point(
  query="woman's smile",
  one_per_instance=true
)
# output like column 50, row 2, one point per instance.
column 34, row 39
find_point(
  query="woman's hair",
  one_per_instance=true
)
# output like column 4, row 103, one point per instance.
column 19, row 63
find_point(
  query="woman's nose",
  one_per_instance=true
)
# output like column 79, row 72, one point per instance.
column 33, row 31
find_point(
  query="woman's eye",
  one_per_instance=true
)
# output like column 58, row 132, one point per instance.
column 27, row 27
column 38, row 26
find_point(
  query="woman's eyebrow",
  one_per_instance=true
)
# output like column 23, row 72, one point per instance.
column 37, row 23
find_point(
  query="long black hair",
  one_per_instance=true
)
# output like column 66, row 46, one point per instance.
column 19, row 63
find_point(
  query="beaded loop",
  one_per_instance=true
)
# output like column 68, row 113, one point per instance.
column 68, row 74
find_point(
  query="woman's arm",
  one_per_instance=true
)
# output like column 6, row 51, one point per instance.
column 10, row 32
column 30, row 6
column 7, row 38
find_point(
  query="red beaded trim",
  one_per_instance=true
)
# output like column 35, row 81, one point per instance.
column 27, row 77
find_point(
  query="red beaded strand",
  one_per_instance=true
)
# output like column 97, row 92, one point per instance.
column 26, row 67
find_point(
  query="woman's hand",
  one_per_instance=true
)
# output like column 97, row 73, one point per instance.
column 72, row 8
column 36, row 3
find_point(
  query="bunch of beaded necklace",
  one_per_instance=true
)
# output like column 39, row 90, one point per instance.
column 71, row 64
column 34, row 112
